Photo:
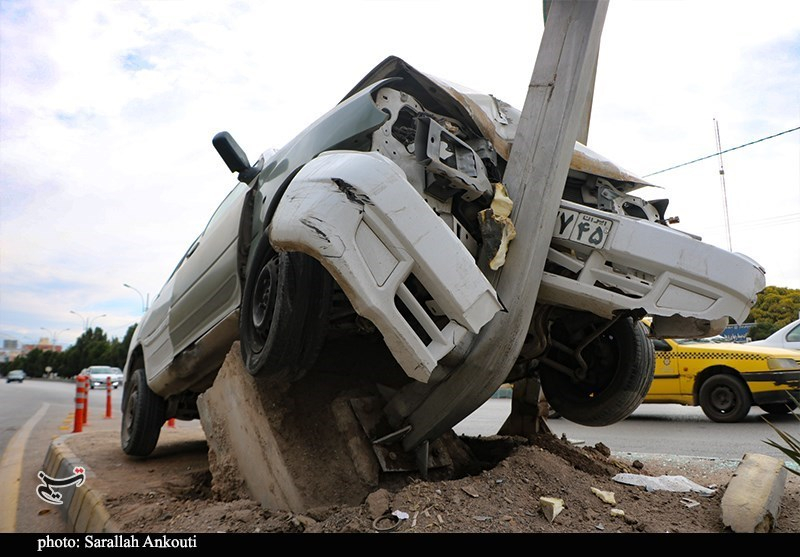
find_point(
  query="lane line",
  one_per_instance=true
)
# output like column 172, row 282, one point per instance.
column 11, row 471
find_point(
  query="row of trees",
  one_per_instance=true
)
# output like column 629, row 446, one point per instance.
column 92, row 348
column 775, row 307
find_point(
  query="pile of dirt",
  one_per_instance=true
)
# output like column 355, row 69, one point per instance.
column 170, row 492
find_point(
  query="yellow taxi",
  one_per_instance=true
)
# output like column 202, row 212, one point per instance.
column 724, row 378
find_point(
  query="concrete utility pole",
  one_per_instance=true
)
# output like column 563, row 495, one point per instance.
column 552, row 117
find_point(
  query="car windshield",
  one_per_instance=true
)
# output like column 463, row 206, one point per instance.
column 101, row 370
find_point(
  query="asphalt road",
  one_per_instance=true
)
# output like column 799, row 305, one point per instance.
column 656, row 429
column 32, row 414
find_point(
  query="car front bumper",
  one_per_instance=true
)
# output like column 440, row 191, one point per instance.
column 689, row 287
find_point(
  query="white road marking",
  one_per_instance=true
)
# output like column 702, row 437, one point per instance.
column 11, row 471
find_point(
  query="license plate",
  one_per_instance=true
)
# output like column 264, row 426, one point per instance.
column 582, row 228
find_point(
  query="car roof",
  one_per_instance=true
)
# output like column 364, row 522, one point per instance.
column 777, row 338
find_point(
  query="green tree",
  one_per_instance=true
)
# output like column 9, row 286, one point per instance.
column 775, row 307
column 92, row 348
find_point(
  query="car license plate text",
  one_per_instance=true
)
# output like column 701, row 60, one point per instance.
column 582, row 228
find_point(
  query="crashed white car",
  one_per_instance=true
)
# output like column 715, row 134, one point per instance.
column 388, row 217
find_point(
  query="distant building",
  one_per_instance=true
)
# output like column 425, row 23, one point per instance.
column 44, row 345
column 10, row 350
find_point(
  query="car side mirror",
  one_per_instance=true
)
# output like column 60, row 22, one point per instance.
column 234, row 156
column 661, row 345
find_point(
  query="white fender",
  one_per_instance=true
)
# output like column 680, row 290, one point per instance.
column 359, row 216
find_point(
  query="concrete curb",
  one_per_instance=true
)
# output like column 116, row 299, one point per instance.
column 82, row 507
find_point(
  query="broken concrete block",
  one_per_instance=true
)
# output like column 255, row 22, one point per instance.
column 253, row 429
column 752, row 501
column 605, row 496
column 551, row 507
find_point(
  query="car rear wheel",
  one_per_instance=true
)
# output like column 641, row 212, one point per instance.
column 143, row 415
column 725, row 399
column 619, row 370
column 285, row 311
column 779, row 407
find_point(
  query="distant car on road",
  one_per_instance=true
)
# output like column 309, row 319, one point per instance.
column 98, row 376
column 725, row 379
column 17, row 375
column 785, row 337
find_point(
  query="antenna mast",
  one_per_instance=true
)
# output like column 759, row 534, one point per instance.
column 722, row 182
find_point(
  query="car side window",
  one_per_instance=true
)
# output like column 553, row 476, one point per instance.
column 794, row 334
column 229, row 199
column 234, row 194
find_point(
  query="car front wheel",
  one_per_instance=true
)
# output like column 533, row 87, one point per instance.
column 725, row 399
column 143, row 415
column 285, row 311
column 618, row 370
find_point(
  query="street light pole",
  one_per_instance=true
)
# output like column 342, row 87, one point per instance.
column 84, row 322
column 93, row 318
column 144, row 305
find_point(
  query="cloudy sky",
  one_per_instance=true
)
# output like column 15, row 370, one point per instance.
column 108, row 107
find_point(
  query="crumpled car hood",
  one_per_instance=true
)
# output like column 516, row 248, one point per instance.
column 493, row 118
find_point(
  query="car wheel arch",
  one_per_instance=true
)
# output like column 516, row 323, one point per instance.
column 710, row 372
column 251, row 221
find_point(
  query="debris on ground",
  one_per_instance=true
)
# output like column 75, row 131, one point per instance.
column 664, row 483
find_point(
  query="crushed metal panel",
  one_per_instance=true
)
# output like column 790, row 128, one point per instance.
column 392, row 457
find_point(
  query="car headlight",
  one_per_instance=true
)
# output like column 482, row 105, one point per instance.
column 782, row 363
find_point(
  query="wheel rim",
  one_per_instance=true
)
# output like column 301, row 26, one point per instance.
column 723, row 399
column 601, row 356
column 263, row 301
column 129, row 411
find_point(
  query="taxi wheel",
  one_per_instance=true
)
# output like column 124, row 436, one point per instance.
column 621, row 365
column 725, row 399
column 285, row 312
column 143, row 415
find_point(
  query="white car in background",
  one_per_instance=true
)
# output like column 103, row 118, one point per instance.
column 785, row 337
column 99, row 376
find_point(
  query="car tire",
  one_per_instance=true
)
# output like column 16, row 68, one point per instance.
column 621, row 365
column 143, row 415
column 725, row 399
column 778, row 408
column 285, row 311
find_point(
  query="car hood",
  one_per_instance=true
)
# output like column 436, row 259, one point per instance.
column 493, row 118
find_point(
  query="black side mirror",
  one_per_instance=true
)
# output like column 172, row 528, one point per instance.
column 233, row 156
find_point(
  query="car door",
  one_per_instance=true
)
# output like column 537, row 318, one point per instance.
column 206, row 286
column 667, row 379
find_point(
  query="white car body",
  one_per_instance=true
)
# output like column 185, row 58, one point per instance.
column 787, row 336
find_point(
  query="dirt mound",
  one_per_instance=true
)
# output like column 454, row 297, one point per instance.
column 170, row 492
